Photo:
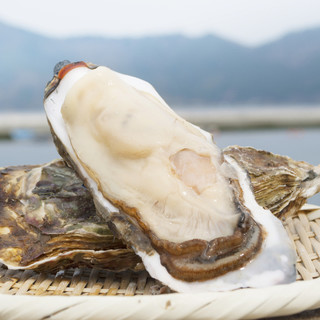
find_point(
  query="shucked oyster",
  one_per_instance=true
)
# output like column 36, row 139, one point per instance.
column 48, row 222
column 163, row 185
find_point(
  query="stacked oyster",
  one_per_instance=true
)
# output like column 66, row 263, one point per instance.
column 48, row 221
column 198, row 217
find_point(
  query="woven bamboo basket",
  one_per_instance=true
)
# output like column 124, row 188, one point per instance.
column 96, row 294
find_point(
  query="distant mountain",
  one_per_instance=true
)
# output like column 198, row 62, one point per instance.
column 204, row 70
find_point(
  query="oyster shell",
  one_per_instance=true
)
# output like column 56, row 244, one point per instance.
column 48, row 222
column 279, row 183
column 164, row 186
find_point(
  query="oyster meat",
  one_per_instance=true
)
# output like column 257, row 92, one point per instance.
column 162, row 184
column 48, row 222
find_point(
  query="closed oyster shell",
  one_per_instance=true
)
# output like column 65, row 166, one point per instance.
column 279, row 183
column 48, row 221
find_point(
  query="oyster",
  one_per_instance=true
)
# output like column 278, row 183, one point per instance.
column 163, row 185
column 279, row 183
column 48, row 222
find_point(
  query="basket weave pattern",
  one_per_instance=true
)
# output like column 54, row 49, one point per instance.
column 77, row 282
column 304, row 231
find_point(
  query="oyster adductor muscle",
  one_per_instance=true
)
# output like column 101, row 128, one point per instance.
column 166, row 189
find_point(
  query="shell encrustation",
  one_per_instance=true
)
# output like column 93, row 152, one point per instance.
column 48, row 221
column 165, row 188
column 279, row 183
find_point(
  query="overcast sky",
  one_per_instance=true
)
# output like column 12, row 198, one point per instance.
column 249, row 22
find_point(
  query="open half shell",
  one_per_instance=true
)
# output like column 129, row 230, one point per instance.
column 166, row 189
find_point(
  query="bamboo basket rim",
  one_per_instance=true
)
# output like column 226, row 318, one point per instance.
column 27, row 295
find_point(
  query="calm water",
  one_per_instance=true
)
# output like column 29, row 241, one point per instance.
column 298, row 144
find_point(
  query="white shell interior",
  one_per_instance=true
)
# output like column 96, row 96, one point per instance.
column 52, row 107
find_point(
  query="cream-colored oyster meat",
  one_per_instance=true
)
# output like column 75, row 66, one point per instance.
column 164, row 186
column 157, row 162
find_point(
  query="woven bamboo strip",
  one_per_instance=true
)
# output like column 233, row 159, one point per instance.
column 272, row 301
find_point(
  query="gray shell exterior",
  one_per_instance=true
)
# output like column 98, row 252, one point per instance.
column 48, row 221
column 280, row 183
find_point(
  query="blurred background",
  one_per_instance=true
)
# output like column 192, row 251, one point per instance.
column 248, row 71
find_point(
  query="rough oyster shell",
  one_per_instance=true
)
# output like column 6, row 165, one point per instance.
column 164, row 186
column 279, row 183
column 48, row 222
